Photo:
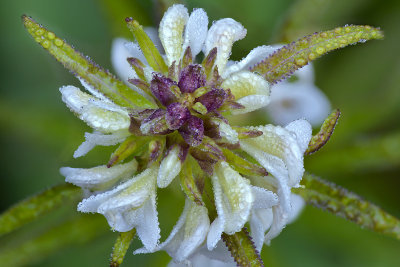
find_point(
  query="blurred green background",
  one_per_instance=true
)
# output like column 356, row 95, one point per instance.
column 39, row 134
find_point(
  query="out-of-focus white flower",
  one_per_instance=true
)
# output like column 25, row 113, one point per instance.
column 298, row 98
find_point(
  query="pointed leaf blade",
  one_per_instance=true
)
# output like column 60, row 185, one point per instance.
column 323, row 136
column 242, row 249
column 345, row 204
column 82, row 67
column 121, row 246
column 293, row 56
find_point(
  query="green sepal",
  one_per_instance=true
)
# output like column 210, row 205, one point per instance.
column 244, row 133
column 32, row 208
column 293, row 56
column 324, row 134
column 348, row 205
column 242, row 249
column 82, row 67
column 133, row 145
column 243, row 166
column 121, row 246
column 147, row 46
column 191, row 183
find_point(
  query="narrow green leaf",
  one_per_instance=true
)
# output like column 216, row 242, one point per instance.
column 323, row 136
column 77, row 231
column 33, row 207
column 242, row 249
column 345, row 204
column 133, row 145
column 243, row 166
column 121, row 246
column 293, row 56
column 191, row 184
column 82, row 67
column 147, row 46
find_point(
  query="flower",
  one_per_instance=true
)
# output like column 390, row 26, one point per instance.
column 298, row 98
column 248, row 171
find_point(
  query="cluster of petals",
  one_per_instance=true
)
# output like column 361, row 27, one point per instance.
column 128, row 199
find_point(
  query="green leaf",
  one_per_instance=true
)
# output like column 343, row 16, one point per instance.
column 121, row 246
column 74, row 232
column 147, row 46
column 192, row 184
column 242, row 249
column 32, row 208
column 345, row 204
column 243, row 166
column 323, row 136
column 82, row 67
column 133, row 145
column 293, row 56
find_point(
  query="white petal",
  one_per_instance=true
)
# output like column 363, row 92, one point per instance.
column 93, row 91
column 215, row 231
column 196, row 31
column 225, row 130
column 171, row 32
column 298, row 100
column 303, row 131
column 153, row 34
column 298, row 204
column 255, row 56
column 121, row 49
column 188, row 234
column 260, row 222
column 99, row 139
column 100, row 177
column 233, row 200
column 250, row 89
column 279, row 221
column 222, row 34
column 278, row 151
column 170, row 167
column 305, row 74
column 131, row 204
column 263, row 199
column 101, row 119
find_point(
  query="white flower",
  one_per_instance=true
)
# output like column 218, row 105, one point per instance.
column 298, row 99
column 188, row 99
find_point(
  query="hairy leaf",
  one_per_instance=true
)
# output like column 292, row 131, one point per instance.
column 133, row 145
column 345, row 204
column 293, row 56
column 121, row 246
column 149, row 50
column 97, row 78
column 32, row 208
column 323, row 136
column 242, row 249
column 191, row 183
column 243, row 166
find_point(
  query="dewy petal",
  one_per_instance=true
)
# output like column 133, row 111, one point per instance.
column 130, row 205
column 196, row 31
column 291, row 101
column 100, row 177
column 226, row 131
column 99, row 139
column 298, row 204
column 303, row 131
column 261, row 214
column 250, row 90
column 101, row 119
column 255, row 56
column 188, row 234
column 222, row 34
column 170, row 167
column 171, row 31
column 233, row 200
column 278, row 151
